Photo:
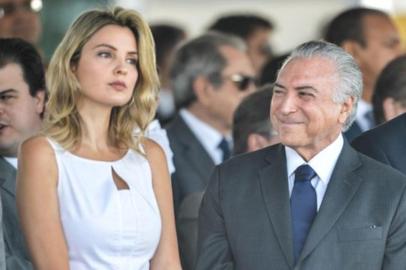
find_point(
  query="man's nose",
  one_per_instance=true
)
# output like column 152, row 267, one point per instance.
column 288, row 104
column 2, row 108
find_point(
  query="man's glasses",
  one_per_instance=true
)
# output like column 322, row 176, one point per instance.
column 10, row 8
column 243, row 82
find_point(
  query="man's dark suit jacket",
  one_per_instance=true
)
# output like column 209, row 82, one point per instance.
column 353, row 132
column 2, row 251
column 245, row 221
column 386, row 143
column 17, row 257
column 193, row 167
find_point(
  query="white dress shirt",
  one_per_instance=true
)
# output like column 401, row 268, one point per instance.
column 209, row 137
column 323, row 164
column 158, row 134
column 363, row 109
column 155, row 132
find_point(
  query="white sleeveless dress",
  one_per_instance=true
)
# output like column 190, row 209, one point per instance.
column 106, row 228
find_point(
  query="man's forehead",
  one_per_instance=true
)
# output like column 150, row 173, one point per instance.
column 237, row 61
column 308, row 73
column 308, row 67
column 10, row 74
column 11, row 66
column 378, row 23
column 229, row 51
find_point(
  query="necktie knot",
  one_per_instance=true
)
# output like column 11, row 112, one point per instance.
column 304, row 173
column 225, row 148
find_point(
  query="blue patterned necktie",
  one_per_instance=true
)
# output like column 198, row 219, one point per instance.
column 225, row 148
column 303, row 205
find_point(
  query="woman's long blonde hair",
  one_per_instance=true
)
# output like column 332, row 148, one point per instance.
column 62, row 120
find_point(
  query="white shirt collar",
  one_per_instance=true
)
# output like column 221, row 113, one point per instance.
column 12, row 160
column 209, row 137
column 323, row 163
column 363, row 108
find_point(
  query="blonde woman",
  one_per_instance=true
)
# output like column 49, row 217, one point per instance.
column 90, row 194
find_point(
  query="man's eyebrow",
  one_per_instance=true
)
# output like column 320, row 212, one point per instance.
column 303, row 87
column 278, row 85
column 112, row 48
column 306, row 87
column 8, row 91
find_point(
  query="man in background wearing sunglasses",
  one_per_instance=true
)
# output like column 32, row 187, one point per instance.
column 20, row 18
column 210, row 76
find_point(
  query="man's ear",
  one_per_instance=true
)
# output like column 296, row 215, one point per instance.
column 39, row 101
column 353, row 48
column 346, row 109
column 202, row 88
column 389, row 108
column 256, row 141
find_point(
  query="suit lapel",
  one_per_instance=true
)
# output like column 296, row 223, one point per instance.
column 192, row 150
column 275, row 193
column 7, row 177
column 342, row 187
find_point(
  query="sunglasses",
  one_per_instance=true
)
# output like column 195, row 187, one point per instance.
column 10, row 8
column 243, row 82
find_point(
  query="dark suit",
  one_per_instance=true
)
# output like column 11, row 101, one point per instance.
column 245, row 221
column 2, row 251
column 353, row 131
column 16, row 252
column 193, row 167
column 386, row 143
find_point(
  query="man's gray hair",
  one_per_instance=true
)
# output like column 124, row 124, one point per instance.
column 200, row 57
column 348, row 72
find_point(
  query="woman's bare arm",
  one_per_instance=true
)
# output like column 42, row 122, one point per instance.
column 167, row 255
column 37, row 202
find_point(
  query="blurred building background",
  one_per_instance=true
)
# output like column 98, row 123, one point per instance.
column 296, row 21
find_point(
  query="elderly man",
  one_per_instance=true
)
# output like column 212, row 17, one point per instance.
column 210, row 76
column 311, row 202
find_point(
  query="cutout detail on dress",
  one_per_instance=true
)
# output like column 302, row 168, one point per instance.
column 119, row 182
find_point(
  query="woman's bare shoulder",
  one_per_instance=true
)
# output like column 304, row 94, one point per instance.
column 152, row 149
column 156, row 158
column 37, row 147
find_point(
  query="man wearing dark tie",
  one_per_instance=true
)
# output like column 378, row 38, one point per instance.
column 311, row 202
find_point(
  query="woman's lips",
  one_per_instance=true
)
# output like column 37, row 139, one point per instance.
column 118, row 85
